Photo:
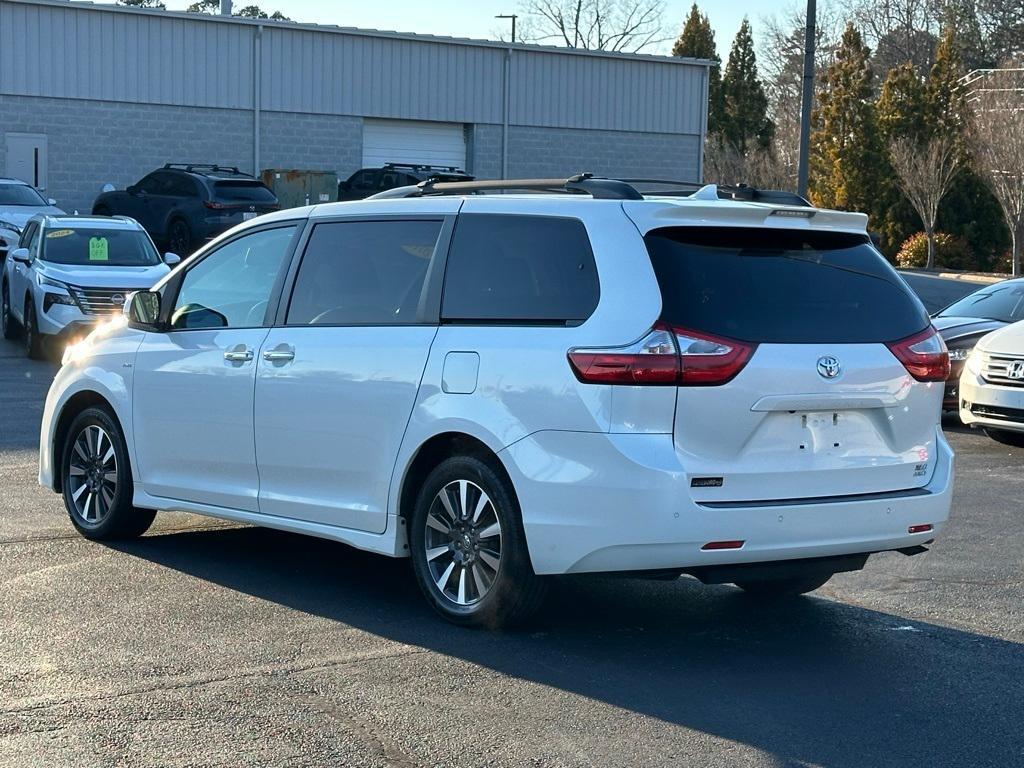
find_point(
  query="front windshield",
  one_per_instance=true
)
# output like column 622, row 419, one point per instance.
column 20, row 194
column 99, row 246
column 1004, row 302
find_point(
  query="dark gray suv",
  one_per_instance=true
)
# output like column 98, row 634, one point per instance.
column 182, row 206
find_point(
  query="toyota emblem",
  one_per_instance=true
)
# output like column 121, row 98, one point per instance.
column 828, row 367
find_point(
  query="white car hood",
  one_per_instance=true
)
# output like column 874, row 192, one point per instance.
column 1009, row 340
column 20, row 214
column 104, row 276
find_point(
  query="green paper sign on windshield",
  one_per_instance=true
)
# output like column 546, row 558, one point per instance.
column 97, row 249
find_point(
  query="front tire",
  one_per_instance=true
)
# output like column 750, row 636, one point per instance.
column 6, row 318
column 97, row 480
column 1006, row 437
column 33, row 338
column 469, row 551
column 781, row 588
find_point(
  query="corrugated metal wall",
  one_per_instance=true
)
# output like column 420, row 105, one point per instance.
column 92, row 52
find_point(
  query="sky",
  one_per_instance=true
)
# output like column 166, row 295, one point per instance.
column 475, row 18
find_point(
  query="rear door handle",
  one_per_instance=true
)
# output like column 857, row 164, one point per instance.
column 282, row 353
column 239, row 354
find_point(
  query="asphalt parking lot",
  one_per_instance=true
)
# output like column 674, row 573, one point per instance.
column 206, row 644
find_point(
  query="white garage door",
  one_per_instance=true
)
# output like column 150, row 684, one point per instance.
column 413, row 141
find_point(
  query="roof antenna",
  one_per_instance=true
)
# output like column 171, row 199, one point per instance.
column 707, row 192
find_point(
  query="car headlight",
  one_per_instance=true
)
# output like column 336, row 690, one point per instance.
column 42, row 280
column 959, row 353
column 974, row 361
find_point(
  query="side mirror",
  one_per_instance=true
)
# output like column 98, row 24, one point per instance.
column 170, row 259
column 51, row 201
column 143, row 310
column 21, row 255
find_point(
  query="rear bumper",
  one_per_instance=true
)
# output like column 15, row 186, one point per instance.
column 600, row 503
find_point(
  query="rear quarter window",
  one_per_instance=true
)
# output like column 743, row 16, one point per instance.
column 519, row 269
column 781, row 286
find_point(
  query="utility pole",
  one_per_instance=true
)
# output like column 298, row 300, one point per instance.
column 512, row 16
column 808, row 98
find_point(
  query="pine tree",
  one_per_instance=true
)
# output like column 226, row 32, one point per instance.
column 947, row 104
column 847, row 157
column 697, row 41
column 745, row 105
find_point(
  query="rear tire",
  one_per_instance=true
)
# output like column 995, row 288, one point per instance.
column 34, row 346
column 179, row 237
column 776, row 588
column 469, row 551
column 1006, row 437
column 7, row 325
column 96, row 480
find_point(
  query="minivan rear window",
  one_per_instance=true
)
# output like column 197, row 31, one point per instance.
column 781, row 286
column 247, row 191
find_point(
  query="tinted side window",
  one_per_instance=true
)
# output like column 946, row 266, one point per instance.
column 27, row 235
column 366, row 181
column 153, row 184
column 230, row 288
column 531, row 269
column 363, row 273
column 180, row 186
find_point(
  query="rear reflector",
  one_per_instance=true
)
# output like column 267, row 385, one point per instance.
column 920, row 528
column 722, row 545
column 665, row 356
column 924, row 355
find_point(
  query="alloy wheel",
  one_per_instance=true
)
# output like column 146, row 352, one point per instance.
column 92, row 475
column 463, row 542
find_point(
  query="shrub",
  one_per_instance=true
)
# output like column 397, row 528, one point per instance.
column 950, row 252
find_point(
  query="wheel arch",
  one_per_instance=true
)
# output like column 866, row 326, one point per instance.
column 432, row 452
column 78, row 402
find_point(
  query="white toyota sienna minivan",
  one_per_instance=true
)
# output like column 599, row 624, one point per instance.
column 509, row 386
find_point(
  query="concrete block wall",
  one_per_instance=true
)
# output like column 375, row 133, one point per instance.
column 91, row 143
column 483, row 151
column 311, row 142
column 556, row 152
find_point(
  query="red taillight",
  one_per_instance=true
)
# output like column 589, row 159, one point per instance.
column 213, row 205
column 652, row 360
column 924, row 355
column 924, row 528
column 665, row 356
column 708, row 360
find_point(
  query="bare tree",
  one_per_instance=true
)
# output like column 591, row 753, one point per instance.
column 999, row 155
column 925, row 172
column 627, row 26
column 725, row 164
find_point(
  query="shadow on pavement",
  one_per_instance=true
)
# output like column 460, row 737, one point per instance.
column 810, row 681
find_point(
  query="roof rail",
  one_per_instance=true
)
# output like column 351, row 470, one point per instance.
column 425, row 167
column 190, row 167
column 583, row 183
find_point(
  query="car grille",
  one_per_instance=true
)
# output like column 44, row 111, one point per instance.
column 100, row 301
column 1005, row 370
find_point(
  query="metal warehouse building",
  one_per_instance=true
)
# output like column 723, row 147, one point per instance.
column 91, row 94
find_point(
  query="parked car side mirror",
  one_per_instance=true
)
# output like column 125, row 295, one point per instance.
column 21, row 255
column 170, row 259
column 143, row 311
column 51, row 201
